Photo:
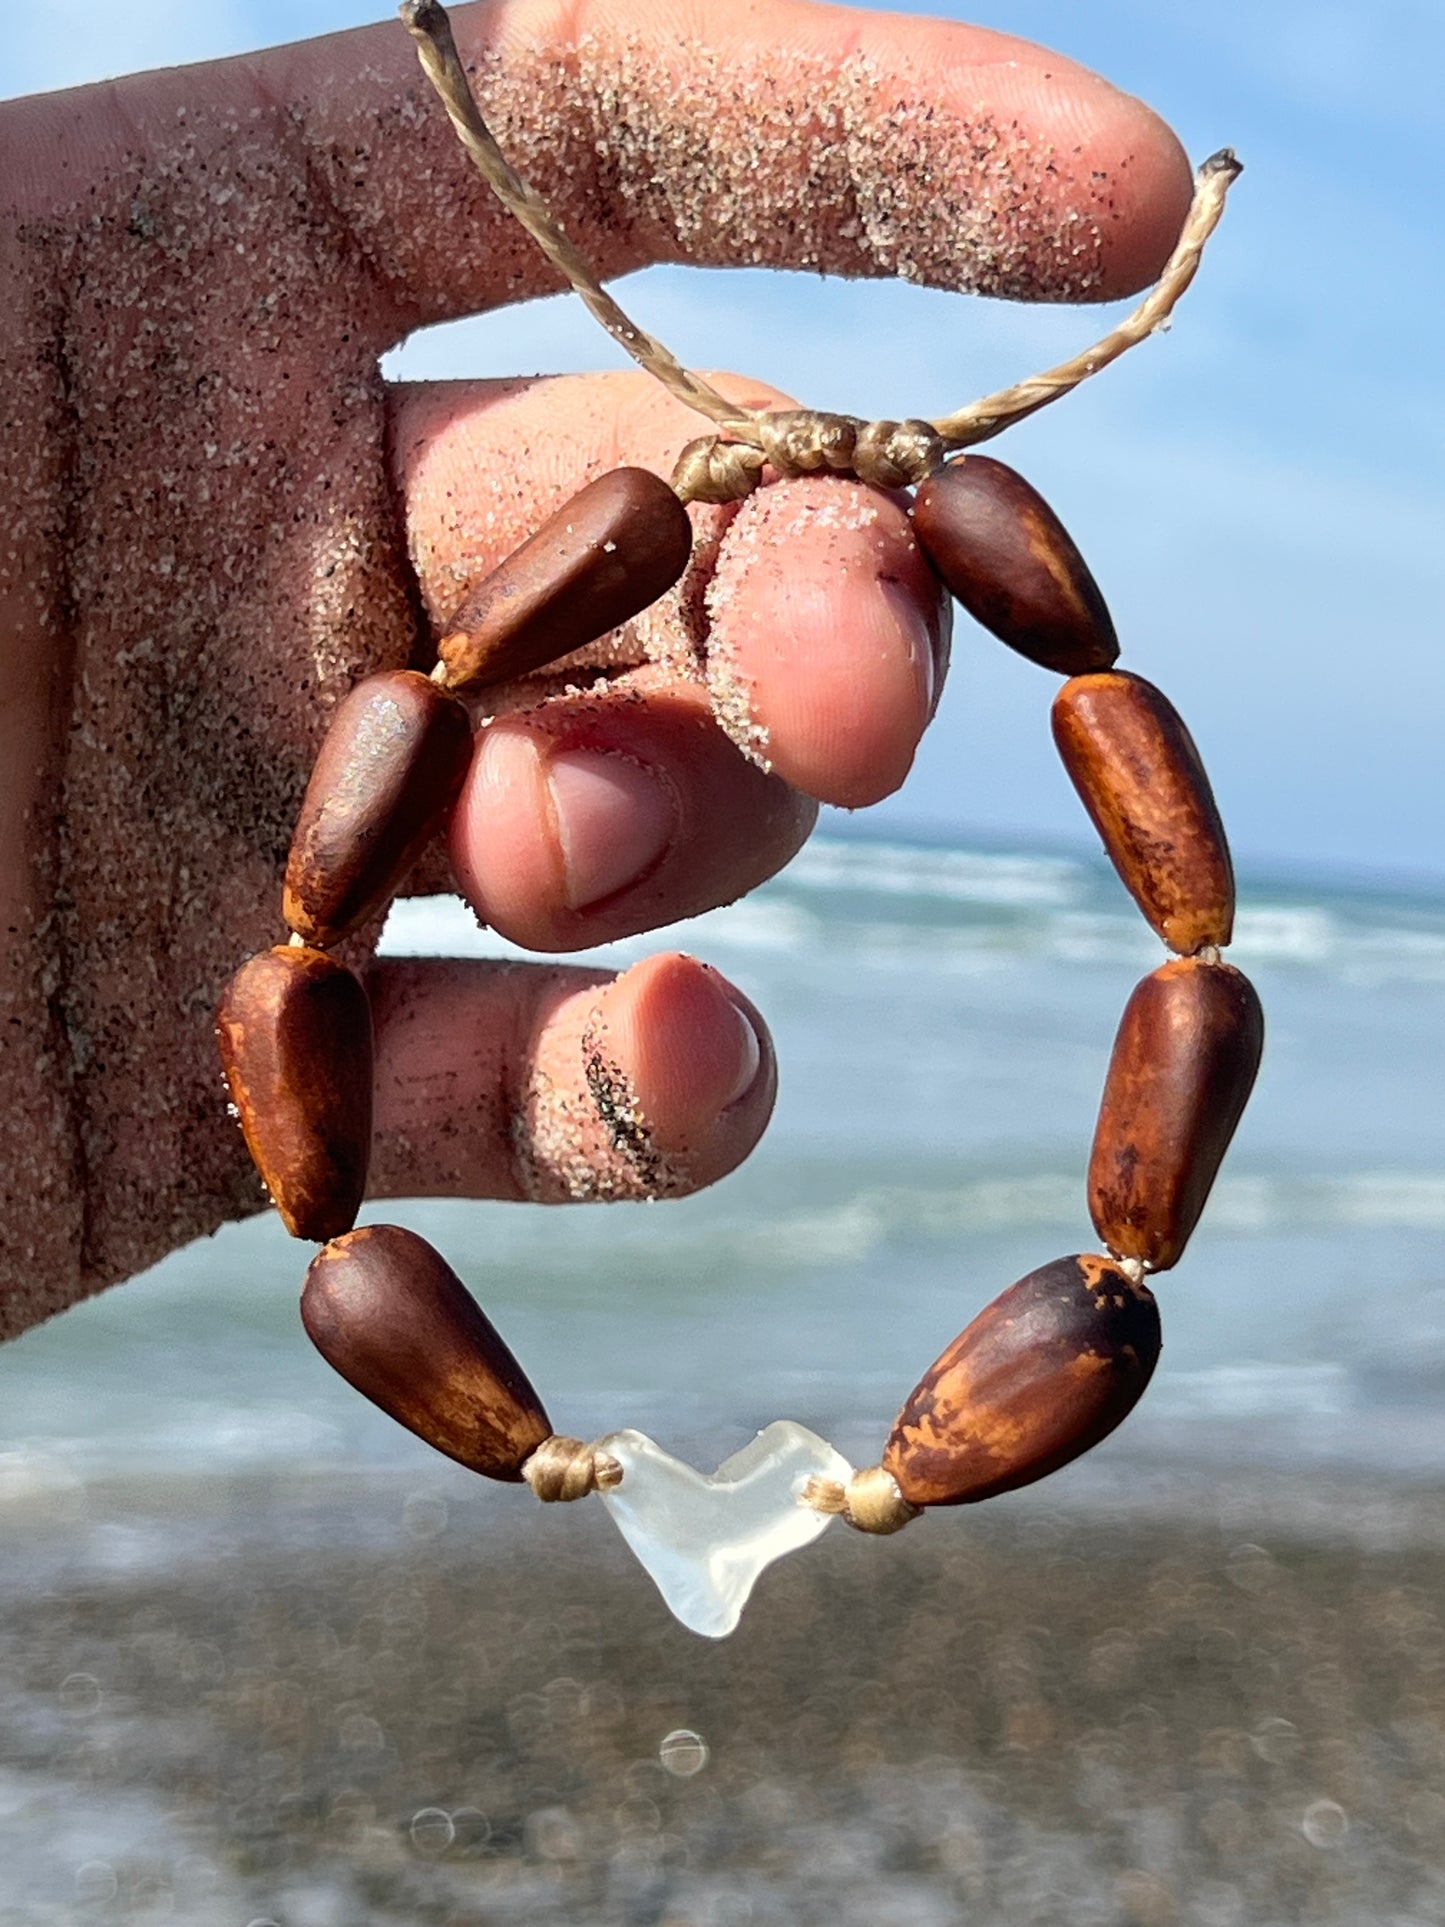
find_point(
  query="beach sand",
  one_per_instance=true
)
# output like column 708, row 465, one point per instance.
column 392, row 1704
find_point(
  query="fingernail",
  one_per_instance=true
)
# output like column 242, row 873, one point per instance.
column 615, row 820
column 750, row 1058
column 917, row 632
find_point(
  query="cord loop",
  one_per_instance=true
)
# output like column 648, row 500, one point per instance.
column 870, row 1502
column 712, row 470
column 563, row 1469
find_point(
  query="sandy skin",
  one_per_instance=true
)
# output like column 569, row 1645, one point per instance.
column 217, row 517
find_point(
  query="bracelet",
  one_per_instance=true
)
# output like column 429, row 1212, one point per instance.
column 1058, row 1360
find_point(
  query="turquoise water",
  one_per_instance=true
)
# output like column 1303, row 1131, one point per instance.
column 943, row 1017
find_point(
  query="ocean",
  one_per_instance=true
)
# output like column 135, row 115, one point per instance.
column 943, row 1016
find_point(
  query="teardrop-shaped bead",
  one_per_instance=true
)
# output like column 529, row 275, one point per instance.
column 294, row 1029
column 604, row 557
column 1136, row 768
column 1041, row 1375
column 389, row 1313
column 1010, row 561
column 1184, row 1063
column 389, row 771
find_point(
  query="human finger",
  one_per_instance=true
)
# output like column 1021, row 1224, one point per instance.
column 795, row 135
column 598, row 816
column 560, row 1084
column 809, row 620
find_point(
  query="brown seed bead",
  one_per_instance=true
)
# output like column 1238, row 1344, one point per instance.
column 1041, row 1375
column 1135, row 765
column 1010, row 561
column 295, row 1034
column 389, row 772
column 1184, row 1064
column 605, row 556
column 389, row 1313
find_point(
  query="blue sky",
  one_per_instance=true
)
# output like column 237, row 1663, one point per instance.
column 1261, row 493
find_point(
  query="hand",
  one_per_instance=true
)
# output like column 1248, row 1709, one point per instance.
column 218, row 517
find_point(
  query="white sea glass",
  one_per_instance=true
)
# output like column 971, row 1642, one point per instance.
column 704, row 1540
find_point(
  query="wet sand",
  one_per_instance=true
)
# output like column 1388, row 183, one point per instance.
column 403, row 1705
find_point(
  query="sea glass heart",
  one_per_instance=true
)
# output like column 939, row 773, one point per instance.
column 704, row 1540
